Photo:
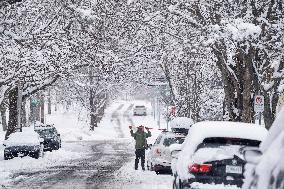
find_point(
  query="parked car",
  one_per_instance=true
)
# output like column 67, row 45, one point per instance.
column 139, row 110
column 265, row 168
column 211, row 153
column 181, row 125
column 159, row 157
column 26, row 143
column 52, row 140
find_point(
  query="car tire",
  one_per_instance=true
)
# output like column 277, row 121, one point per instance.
column 37, row 155
column 157, row 172
column 175, row 183
column 280, row 180
column 6, row 157
column 151, row 167
column 57, row 146
column 148, row 166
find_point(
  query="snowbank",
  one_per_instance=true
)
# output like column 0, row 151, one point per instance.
column 271, row 162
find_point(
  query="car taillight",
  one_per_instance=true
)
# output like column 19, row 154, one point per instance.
column 158, row 151
column 197, row 168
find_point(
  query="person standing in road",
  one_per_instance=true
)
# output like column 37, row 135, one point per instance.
column 140, row 144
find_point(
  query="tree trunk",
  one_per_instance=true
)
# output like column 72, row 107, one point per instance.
column 270, row 106
column 49, row 102
column 13, row 113
column 37, row 108
column 3, row 117
column 93, row 109
column 24, row 114
column 42, row 108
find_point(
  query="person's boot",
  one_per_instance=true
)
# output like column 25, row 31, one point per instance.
column 143, row 165
column 136, row 164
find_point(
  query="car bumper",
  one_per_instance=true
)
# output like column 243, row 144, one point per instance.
column 20, row 153
column 139, row 114
column 158, row 168
column 214, row 180
column 50, row 145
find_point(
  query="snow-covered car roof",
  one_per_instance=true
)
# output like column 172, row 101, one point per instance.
column 181, row 122
column 26, row 138
column 209, row 129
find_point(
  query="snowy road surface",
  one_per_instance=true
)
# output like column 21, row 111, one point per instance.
column 102, row 159
column 92, row 171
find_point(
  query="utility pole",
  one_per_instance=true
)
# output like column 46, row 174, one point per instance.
column 19, row 105
column 159, row 112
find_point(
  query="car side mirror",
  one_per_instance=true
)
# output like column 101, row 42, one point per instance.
column 175, row 149
column 58, row 135
column 4, row 144
column 175, row 153
column 252, row 156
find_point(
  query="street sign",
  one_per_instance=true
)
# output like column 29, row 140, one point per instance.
column 35, row 103
column 259, row 103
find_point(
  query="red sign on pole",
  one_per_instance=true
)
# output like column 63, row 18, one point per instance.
column 259, row 103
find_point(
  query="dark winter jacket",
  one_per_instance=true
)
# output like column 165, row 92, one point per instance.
column 140, row 138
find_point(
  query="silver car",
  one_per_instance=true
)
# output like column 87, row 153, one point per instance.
column 159, row 157
column 140, row 111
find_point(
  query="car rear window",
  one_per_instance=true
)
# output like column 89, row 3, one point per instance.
column 170, row 141
column 180, row 130
column 221, row 141
column 47, row 132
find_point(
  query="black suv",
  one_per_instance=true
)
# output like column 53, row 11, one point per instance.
column 52, row 140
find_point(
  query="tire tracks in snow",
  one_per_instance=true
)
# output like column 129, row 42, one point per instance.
column 117, row 125
column 126, row 114
column 90, row 172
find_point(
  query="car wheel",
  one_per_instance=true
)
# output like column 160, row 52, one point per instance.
column 280, row 180
column 175, row 183
column 151, row 167
column 157, row 172
column 6, row 157
column 148, row 166
column 57, row 146
column 37, row 155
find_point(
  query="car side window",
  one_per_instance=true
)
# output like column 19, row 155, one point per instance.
column 158, row 140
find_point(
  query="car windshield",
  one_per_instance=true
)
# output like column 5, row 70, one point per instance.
column 139, row 106
column 170, row 141
column 46, row 132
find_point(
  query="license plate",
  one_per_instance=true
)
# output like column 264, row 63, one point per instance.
column 234, row 169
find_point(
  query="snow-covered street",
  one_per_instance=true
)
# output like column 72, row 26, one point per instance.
column 135, row 94
column 103, row 159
